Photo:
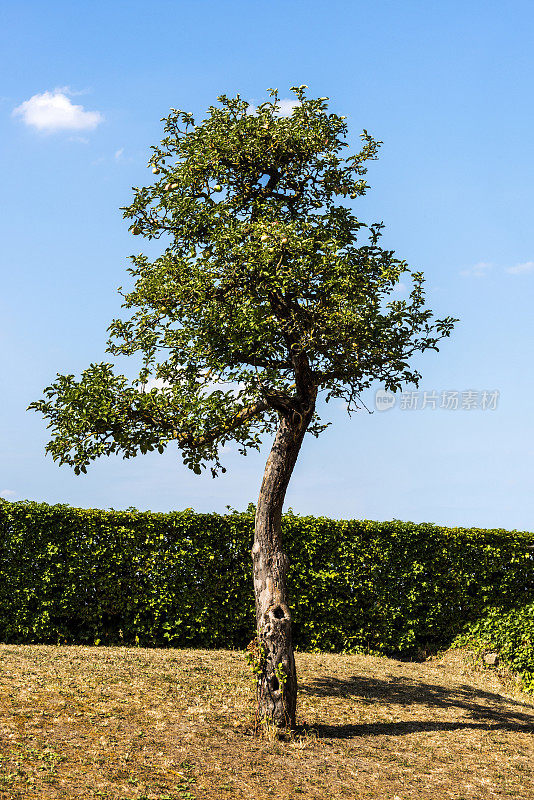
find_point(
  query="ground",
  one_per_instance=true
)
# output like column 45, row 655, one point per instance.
column 131, row 723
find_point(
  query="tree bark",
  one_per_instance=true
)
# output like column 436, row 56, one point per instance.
column 276, row 676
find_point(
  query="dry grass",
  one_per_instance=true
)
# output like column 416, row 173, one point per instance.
column 87, row 722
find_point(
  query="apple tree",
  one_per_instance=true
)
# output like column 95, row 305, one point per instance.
column 267, row 291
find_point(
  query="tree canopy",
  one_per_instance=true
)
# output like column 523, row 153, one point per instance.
column 267, row 285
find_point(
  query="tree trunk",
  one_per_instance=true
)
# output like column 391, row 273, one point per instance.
column 276, row 674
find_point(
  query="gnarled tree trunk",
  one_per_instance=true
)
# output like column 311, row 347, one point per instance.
column 277, row 677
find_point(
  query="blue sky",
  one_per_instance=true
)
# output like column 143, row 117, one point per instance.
column 446, row 86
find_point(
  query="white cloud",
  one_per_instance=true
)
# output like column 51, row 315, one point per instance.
column 478, row 270
column 155, row 383
column 5, row 493
column 285, row 107
column 118, row 153
column 209, row 387
column 399, row 288
column 520, row 269
column 53, row 111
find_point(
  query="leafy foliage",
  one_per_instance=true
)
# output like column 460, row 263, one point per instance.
column 262, row 295
column 182, row 579
column 511, row 633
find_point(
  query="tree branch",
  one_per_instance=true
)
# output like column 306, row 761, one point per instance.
column 242, row 416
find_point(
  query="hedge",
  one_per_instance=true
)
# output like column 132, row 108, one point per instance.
column 184, row 579
column 508, row 631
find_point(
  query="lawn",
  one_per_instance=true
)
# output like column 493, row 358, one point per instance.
column 130, row 723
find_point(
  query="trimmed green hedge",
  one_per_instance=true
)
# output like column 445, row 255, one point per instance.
column 185, row 579
column 508, row 631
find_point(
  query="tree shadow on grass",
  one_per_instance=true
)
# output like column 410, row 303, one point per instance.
column 480, row 709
